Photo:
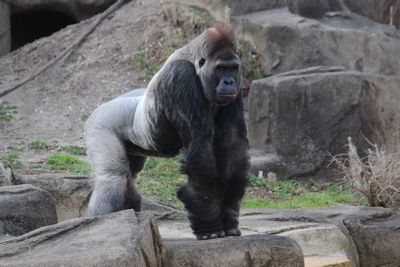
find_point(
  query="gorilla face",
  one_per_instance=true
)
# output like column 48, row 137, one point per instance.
column 220, row 77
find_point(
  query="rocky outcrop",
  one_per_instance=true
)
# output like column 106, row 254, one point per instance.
column 377, row 10
column 377, row 241
column 321, row 233
column 286, row 41
column 297, row 119
column 118, row 239
column 71, row 193
column 24, row 208
column 6, row 175
column 248, row 251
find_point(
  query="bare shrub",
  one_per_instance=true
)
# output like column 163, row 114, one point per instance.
column 377, row 176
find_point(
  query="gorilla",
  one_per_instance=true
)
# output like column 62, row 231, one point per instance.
column 192, row 106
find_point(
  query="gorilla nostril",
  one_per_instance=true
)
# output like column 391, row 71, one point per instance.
column 228, row 82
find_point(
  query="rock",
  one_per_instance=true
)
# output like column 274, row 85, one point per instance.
column 78, row 9
column 297, row 119
column 249, row 251
column 71, row 193
column 118, row 239
column 286, row 41
column 219, row 8
column 24, row 208
column 377, row 240
column 313, row 8
column 5, row 32
column 377, row 10
column 6, row 175
column 319, row 232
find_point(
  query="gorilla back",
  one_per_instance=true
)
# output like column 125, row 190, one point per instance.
column 193, row 105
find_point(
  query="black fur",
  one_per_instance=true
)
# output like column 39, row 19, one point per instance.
column 214, row 148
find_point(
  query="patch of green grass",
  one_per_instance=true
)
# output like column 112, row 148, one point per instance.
column 75, row 150
column 39, row 144
column 7, row 111
column 160, row 179
column 257, row 182
column 68, row 163
column 13, row 159
column 293, row 195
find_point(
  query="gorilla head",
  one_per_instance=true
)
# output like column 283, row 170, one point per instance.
column 219, row 67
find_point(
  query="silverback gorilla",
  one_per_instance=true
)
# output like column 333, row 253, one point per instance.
column 193, row 105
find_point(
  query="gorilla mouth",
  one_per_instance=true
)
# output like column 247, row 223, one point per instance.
column 226, row 98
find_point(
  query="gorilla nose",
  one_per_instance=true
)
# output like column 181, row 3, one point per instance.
column 229, row 81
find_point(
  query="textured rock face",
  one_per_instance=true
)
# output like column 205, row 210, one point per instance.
column 71, row 193
column 377, row 241
column 377, row 10
column 118, row 239
column 297, row 118
column 24, row 208
column 246, row 251
column 6, row 175
column 223, row 8
column 78, row 9
column 287, row 42
column 5, row 32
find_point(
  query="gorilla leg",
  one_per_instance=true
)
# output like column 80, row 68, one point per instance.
column 201, row 195
column 237, row 166
column 110, row 167
column 134, row 200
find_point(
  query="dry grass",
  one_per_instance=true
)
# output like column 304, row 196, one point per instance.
column 377, row 176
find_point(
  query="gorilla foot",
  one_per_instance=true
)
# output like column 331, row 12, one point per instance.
column 233, row 232
column 211, row 235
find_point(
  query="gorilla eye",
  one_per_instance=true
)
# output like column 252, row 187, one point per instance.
column 221, row 68
column 201, row 62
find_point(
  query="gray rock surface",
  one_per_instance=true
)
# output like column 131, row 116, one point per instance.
column 377, row 10
column 246, row 251
column 219, row 8
column 6, row 175
column 286, row 41
column 71, row 193
column 118, row 239
column 297, row 119
column 321, row 233
column 377, row 241
column 24, row 208
column 5, row 31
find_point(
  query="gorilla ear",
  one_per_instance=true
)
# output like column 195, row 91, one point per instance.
column 201, row 62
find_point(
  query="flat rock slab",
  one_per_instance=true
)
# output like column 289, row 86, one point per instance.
column 118, row 239
column 24, row 208
column 246, row 251
column 320, row 233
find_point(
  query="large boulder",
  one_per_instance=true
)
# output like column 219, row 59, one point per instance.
column 6, row 175
column 223, row 8
column 118, row 239
column 297, row 119
column 24, row 208
column 377, row 240
column 246, row 251
column 378, row 10
column 70, row 192
column 286, row 41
